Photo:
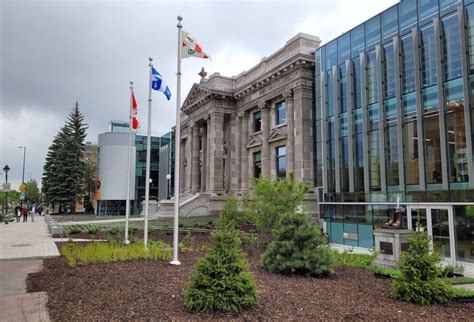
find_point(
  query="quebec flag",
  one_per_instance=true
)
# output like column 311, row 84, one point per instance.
column 158, row 84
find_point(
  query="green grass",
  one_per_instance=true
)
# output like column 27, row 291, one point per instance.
column 461, row 280
column 362, row 261
column 463, row 293
column 99, row 252
column 392, row 272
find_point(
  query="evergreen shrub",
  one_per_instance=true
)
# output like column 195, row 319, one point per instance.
column 298, row 248
column 419, row 280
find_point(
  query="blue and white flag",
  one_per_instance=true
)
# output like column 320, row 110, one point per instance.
column 158, row 84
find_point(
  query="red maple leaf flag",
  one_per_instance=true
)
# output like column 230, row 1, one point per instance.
column 134, row 102
column 134, row 106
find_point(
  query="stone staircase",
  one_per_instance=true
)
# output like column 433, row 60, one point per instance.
column 189, row 206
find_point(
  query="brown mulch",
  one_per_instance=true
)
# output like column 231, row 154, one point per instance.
column 147, row 290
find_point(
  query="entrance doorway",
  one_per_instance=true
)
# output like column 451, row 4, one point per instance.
column 438, row 222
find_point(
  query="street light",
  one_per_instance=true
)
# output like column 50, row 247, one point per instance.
column 6, row 168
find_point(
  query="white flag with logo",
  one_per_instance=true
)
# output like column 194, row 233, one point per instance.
column 190, row 47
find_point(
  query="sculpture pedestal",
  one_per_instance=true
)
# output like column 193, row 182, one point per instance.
column 390, row 243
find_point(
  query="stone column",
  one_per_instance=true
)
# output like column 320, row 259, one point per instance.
column 265, row 107
column 182, row 177
column 195, row 160
column 216, row 152
column 204, row 159
column 232, row 153
column 244, row 162
column 189, row 158
column 208, row 153
column 290, row 133
column 303, row 112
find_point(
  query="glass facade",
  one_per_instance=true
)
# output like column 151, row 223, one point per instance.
column 412, row 114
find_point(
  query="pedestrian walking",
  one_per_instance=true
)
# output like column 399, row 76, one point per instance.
column 39, row 210
column 33, row 212
column 18, row 213
column 25, row 210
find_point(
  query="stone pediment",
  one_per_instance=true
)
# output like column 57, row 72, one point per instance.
column 255, row 140
column 196, row 96
column 278, row 133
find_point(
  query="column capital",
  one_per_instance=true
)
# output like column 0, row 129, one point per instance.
column 288, row 94
column 244, row 115
column 264, row 106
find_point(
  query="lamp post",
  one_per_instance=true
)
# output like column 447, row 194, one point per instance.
column 23, row 175
column 168, row 177
column 6, row 168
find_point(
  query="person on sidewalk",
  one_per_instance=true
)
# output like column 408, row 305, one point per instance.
column 39, row 209
column 25, row 210
column 33, row 212
column 18, row 213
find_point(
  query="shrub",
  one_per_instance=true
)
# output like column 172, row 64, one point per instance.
column 221, row 280
column 74, row 230
column 298, row 248
column 348, row 258
column 272, row 198
column 113, row 230
column 92, row 230
column 419, row 270
column 132, row 230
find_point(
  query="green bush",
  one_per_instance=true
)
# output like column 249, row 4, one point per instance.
column 221, row 280
column 348, row 258
column 99, row 252
column 113, row 230
column 271, row 198
column 419, row 270
column 92, row 230
column 298, row 248
column 132, row 230
column 74, row 230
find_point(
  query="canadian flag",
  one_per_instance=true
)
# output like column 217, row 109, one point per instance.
column 134, row 118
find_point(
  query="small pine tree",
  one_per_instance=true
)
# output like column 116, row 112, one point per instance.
column 419, row 282
column 298, row 248
column 221, row 280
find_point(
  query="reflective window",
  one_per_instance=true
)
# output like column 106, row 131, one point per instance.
column 281, row 113
column 428, row 57
column 388, row 64
column 448, row 5
column 407, row 65
column 357, row 120
column 373, row 113
column 407, row 15
column 319, row 164
column 456, row 132
column 281, row 162
column 342, row 89
column 323, row 58
column 410, row 136
column 257, row 164
column 409, row 106
column 390, row 111
column 358, row 162
column 391, row 153
column 371, row 78
column 427, row 10
column 343, row 129
column 257, row 121
column 317, row 60
column 374, row 161
column 357, row 90
column 331, row 54
column 344, row 164
column 372, row 32
column 329, row 94
column 357, row 40
column 389, row 23
column 432, row 136
column 470, row 36
column 451, row 44
column 344, row 45
column 464, row 230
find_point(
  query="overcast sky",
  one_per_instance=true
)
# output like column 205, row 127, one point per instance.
column 53, row 53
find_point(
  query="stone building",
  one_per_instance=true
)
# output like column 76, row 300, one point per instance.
column 258, row 123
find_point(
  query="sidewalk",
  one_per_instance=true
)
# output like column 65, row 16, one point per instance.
column 26, row 240
column 22, row 247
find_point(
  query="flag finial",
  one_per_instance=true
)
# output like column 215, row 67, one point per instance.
column 179, row 22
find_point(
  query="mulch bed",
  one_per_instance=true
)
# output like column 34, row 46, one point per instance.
column 140, row 290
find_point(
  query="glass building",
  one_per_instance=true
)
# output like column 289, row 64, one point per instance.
column 394, row 123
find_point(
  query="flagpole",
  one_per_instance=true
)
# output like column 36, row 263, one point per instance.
column 177, row 140
column 148, row 155
column 129, row 165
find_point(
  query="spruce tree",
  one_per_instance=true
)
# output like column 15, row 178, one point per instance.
column 298, row 248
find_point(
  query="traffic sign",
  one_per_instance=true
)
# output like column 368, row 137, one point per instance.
column 6, row 187
column 22, row 196
column 22, row 187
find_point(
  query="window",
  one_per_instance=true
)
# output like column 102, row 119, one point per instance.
column 470, row 36
column 357, row 90
column 451, row 44
column 281, row 162
column 373, row 113
column 342, row 89
column 257, row 121
column 428, row 57
column 329, row 94
column 374, row 161
column 388, row 65
column 344, row 164
column 371, row 78
column 344, row 45
column 331, row 166
column 389, row 23
column 359, row 162
column 427, row 9
column 412, row 172
column 281, row 113
column 456, row 132
column 448, row 5
column 432, row 147
column 407, row 15
column 372, row 32
column 357, row 41
column 391, row 142
column 317, row 60
column 331, row 54
column 257, row 164
column 407, row 64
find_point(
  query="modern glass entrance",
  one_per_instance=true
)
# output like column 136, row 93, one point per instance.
column 438, row 222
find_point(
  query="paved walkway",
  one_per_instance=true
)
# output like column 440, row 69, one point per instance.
column 22, row 248
column 26, row 240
